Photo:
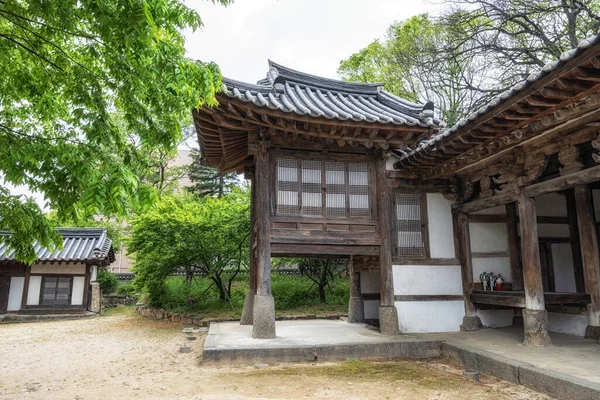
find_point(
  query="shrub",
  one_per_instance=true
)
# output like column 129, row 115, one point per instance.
column 107, row 280
column 126, row 288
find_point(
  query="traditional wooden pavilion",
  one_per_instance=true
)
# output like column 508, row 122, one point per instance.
column 344, row 169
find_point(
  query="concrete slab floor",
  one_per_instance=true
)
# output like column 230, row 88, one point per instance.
column 299, row 334
column 570, row 355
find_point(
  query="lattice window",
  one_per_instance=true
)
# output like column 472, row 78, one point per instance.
column 287, row 186
column 56, row 291
column 333, row 189
column 312, row 192
column 358, row 189
column 411, row 225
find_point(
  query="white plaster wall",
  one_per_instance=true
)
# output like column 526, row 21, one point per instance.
column 441, row 233
column 571, row 324
column 371, row 309
column 562, row 262
column 369, row 281
column 427, row 279
column 33, row 293
column 77, row 292
column 94, row 275
column 498, row 265
column 15, row 294
column 488, row 237
column 553, row 230
column 497, row 318
column 551, row 205
column 430, row 316
column 73, row 269
column 498, row 210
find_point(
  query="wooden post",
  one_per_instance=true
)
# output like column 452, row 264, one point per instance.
column 535, row 316
column 356, row 308
column 590, row 256
column 248, row 311
column 460, row 220
column 388, row 314
column 574, row 239
column 264, row 304
column 516, row 270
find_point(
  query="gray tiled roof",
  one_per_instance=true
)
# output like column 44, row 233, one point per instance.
column 429, row 146
column 290, row 91
column 78, row 245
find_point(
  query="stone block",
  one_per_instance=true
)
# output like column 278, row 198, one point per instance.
column 96, row 298
column 356, row 310
column 535, row 326
column 388, row 321
column 558, row 386
column 248, row 311
column 263, row 317
column 471, row 324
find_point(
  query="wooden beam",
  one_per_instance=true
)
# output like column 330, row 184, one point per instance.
column 535, row 316
column 384, row 204
column 564, row 182
column 488, row 202
column 461, row 222
column 516, row 270
column 574, row 240
column 590, row 251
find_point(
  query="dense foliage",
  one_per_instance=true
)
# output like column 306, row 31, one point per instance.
column 107, row 280
column 323, row 272
column 190, row 235
column 88, row 89
column 473, row 50
column 292, row 293
column 209, row 181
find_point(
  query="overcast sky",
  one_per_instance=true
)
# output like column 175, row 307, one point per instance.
column 308, row 35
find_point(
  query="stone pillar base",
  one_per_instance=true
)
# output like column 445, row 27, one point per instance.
column 248, row 311
column 95, row 298
column 356, row 310
column 592, row 332
column 263, row 317
column 535, row 326
column 388, row 321
column 471, row 324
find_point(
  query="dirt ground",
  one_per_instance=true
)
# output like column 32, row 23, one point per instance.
column 122, row 356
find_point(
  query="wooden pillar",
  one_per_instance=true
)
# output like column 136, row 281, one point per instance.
column 471, row 321
column 516, row 269
column 590, row 256
column 264, row 304
column 388, row 314
column 356, row 308
column 248, row 311
column 535, row 316
column 574, row 239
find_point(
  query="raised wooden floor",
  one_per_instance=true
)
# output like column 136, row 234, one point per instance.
column 516, row 299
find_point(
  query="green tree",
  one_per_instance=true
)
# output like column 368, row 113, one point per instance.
column 323, row 272
column 206, row 235
column 209, row 181
column 79, row 79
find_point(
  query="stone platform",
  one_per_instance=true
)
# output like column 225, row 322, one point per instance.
column 18, row 318
column 312, row 340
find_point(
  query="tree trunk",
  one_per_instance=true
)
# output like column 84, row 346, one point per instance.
column 322, row 296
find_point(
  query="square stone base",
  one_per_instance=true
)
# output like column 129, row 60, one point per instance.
column 263, row 326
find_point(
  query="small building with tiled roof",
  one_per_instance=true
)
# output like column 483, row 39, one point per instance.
column 60, row 280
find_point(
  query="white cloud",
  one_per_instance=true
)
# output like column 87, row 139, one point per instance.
column 308, row 35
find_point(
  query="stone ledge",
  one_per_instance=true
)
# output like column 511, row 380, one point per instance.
column 19, row 318
column 196, row 320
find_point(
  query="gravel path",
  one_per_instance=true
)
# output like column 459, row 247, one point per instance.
column 124, row 356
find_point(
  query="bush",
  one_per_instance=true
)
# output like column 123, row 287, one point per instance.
column 107, row 280
column 127, row 289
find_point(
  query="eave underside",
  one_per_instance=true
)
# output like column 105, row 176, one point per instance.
column 228, row 133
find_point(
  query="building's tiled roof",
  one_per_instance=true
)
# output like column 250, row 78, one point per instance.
column 79, row 244
column 429, row 146
column 290, row 91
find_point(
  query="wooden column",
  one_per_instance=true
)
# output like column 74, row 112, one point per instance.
column 590, row 256
column 516, row 269
column 248, row 311
column 574, row 239
column 264, row 305
column 460, row 220
column 535, row 316
column 356, row 308
column 388, row 315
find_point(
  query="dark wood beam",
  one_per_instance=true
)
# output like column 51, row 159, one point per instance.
column 564, row 182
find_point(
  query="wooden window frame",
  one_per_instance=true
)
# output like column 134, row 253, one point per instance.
column 343, row 158
column 424, row 228
column 71, row 277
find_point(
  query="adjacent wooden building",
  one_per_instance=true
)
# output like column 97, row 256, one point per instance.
column 59, row 281
column 423, row 212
